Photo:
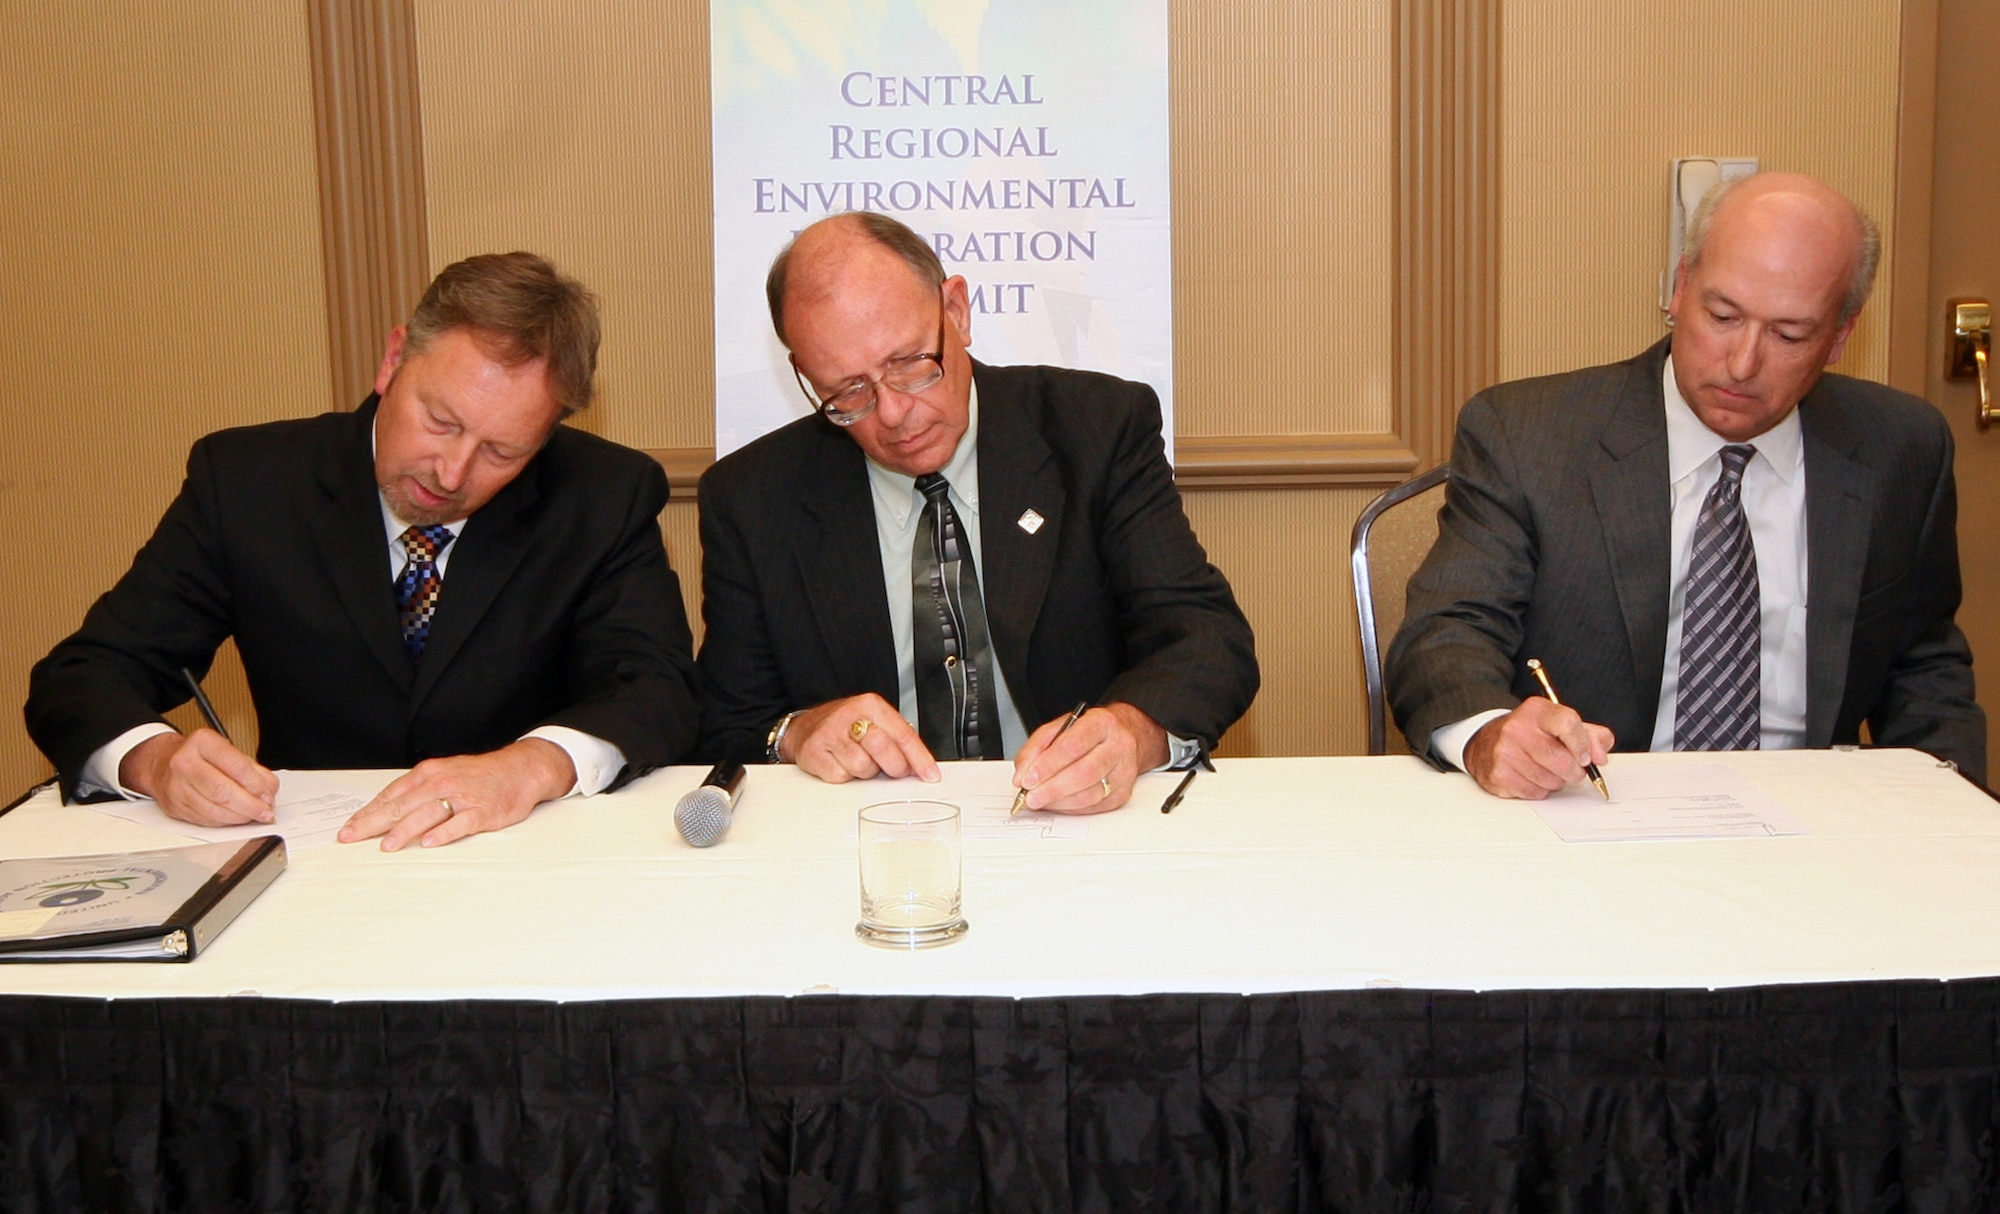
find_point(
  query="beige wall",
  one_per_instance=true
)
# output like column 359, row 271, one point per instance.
column 162, row 279
column 1599, row 98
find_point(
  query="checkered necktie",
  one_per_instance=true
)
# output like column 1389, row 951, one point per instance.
column 1719, row 696
column 417, row 589
column 958, row 712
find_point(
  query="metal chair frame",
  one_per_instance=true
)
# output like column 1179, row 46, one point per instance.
column 1364, row 597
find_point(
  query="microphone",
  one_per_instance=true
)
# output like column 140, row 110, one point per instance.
column 703, row 815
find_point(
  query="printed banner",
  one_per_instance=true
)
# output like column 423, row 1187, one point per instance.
column 1025, row 139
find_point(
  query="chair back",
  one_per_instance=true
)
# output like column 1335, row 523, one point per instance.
column 1391, row 538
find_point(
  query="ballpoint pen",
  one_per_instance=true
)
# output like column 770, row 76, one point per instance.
column 1589, row 769
column 1174, row 797
column 1199, row 763
column 201, row 702
column 1021, row 796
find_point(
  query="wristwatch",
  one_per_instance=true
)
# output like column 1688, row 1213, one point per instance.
column 776, row 738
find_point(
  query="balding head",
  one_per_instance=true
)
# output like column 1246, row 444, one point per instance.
column 816, row 258
column 1765, row 298
column 1809, row 203
column 866, row 310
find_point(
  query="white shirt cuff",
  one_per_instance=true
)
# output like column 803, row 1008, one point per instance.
column 597, row 761
column 1448, row 741
column 100, row 773
column 1181, row 753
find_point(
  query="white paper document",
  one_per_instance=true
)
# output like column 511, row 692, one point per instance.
column 982, row 816
column 983, row 793
column 1668, row 801
column 311, row 810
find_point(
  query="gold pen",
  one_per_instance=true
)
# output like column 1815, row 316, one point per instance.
column 1589, row 769
column 1021, row 795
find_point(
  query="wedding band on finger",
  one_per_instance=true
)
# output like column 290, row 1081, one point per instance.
column 1104, row 782
column 860, row 728
column 449, row 812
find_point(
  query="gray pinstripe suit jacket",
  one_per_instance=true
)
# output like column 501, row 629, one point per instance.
column 1553, row 543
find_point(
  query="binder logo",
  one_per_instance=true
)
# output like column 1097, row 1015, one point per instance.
column 94, row 888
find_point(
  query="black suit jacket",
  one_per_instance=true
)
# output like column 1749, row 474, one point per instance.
column 558, row 607
column 1111, row 599
column 1554, row 543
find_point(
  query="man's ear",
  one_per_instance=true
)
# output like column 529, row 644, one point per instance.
column 392, row 357
column 1680, row 283
column 958, row 307
column 1840, row 336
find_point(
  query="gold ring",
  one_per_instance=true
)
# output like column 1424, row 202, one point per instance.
column 1104, row 782
column 860, row 728
column 449, row 812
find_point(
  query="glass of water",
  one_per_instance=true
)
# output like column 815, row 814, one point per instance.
column 910, row 874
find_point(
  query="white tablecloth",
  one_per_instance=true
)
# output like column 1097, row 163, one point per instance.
column 1275, row 875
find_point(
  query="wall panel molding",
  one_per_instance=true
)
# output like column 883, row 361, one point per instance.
column 1909, row 276
column 1248, row 461
column 1447, row 214
column 369, row 128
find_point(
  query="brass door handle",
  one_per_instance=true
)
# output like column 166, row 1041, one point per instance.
column 1971, row 340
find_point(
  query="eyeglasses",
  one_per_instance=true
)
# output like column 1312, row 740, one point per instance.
column 911, row 374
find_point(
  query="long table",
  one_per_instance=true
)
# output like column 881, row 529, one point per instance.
column 1321, row 983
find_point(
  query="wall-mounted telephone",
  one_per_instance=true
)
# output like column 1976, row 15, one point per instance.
column 1692, row 177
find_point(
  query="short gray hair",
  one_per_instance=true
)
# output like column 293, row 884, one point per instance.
column 1866, row 257
column 891, row 234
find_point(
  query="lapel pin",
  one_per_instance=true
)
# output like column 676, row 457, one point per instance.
column 1030, row 521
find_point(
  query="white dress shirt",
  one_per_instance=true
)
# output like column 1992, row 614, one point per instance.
column 597, row 761
column 1774, row 501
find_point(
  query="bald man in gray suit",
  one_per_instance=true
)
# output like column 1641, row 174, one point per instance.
column 1573, row 508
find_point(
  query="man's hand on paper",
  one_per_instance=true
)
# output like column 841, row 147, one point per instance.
column 442, row 800
column 200, row 778
column 1535, row 750
column 857, row 738
column 1091, row 768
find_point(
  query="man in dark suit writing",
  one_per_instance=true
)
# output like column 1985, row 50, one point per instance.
column 947, row 555
column 445, row 577
column 1712, row 546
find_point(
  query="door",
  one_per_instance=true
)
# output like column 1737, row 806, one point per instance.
column 1965, row 261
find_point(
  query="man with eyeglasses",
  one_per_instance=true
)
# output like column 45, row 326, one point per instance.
column 947, row 555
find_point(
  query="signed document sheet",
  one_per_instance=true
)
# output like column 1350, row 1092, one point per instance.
column 1692, row 801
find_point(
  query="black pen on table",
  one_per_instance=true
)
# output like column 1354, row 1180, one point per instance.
column 1589, row 769
column 1021, row 796
column 201, row 702
column 1180, row 790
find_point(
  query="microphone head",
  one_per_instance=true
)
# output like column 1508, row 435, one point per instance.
column 703, row 816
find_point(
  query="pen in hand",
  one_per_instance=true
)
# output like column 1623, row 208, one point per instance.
column 1589, row 769
column 201, row 702
column 1021, row 795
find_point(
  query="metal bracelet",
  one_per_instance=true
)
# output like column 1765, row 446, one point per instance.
column 776, row 738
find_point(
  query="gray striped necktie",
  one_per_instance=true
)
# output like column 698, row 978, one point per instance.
column 958, row 712
column 1719, row 696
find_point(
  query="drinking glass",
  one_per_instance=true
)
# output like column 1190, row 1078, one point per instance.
column 910, row 874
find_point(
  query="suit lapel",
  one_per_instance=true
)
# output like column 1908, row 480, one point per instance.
column 483, row 558
column 1629, row 489
column 1017, row 473
column 353, row 548
column 1840, row 502
column 840, row 565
